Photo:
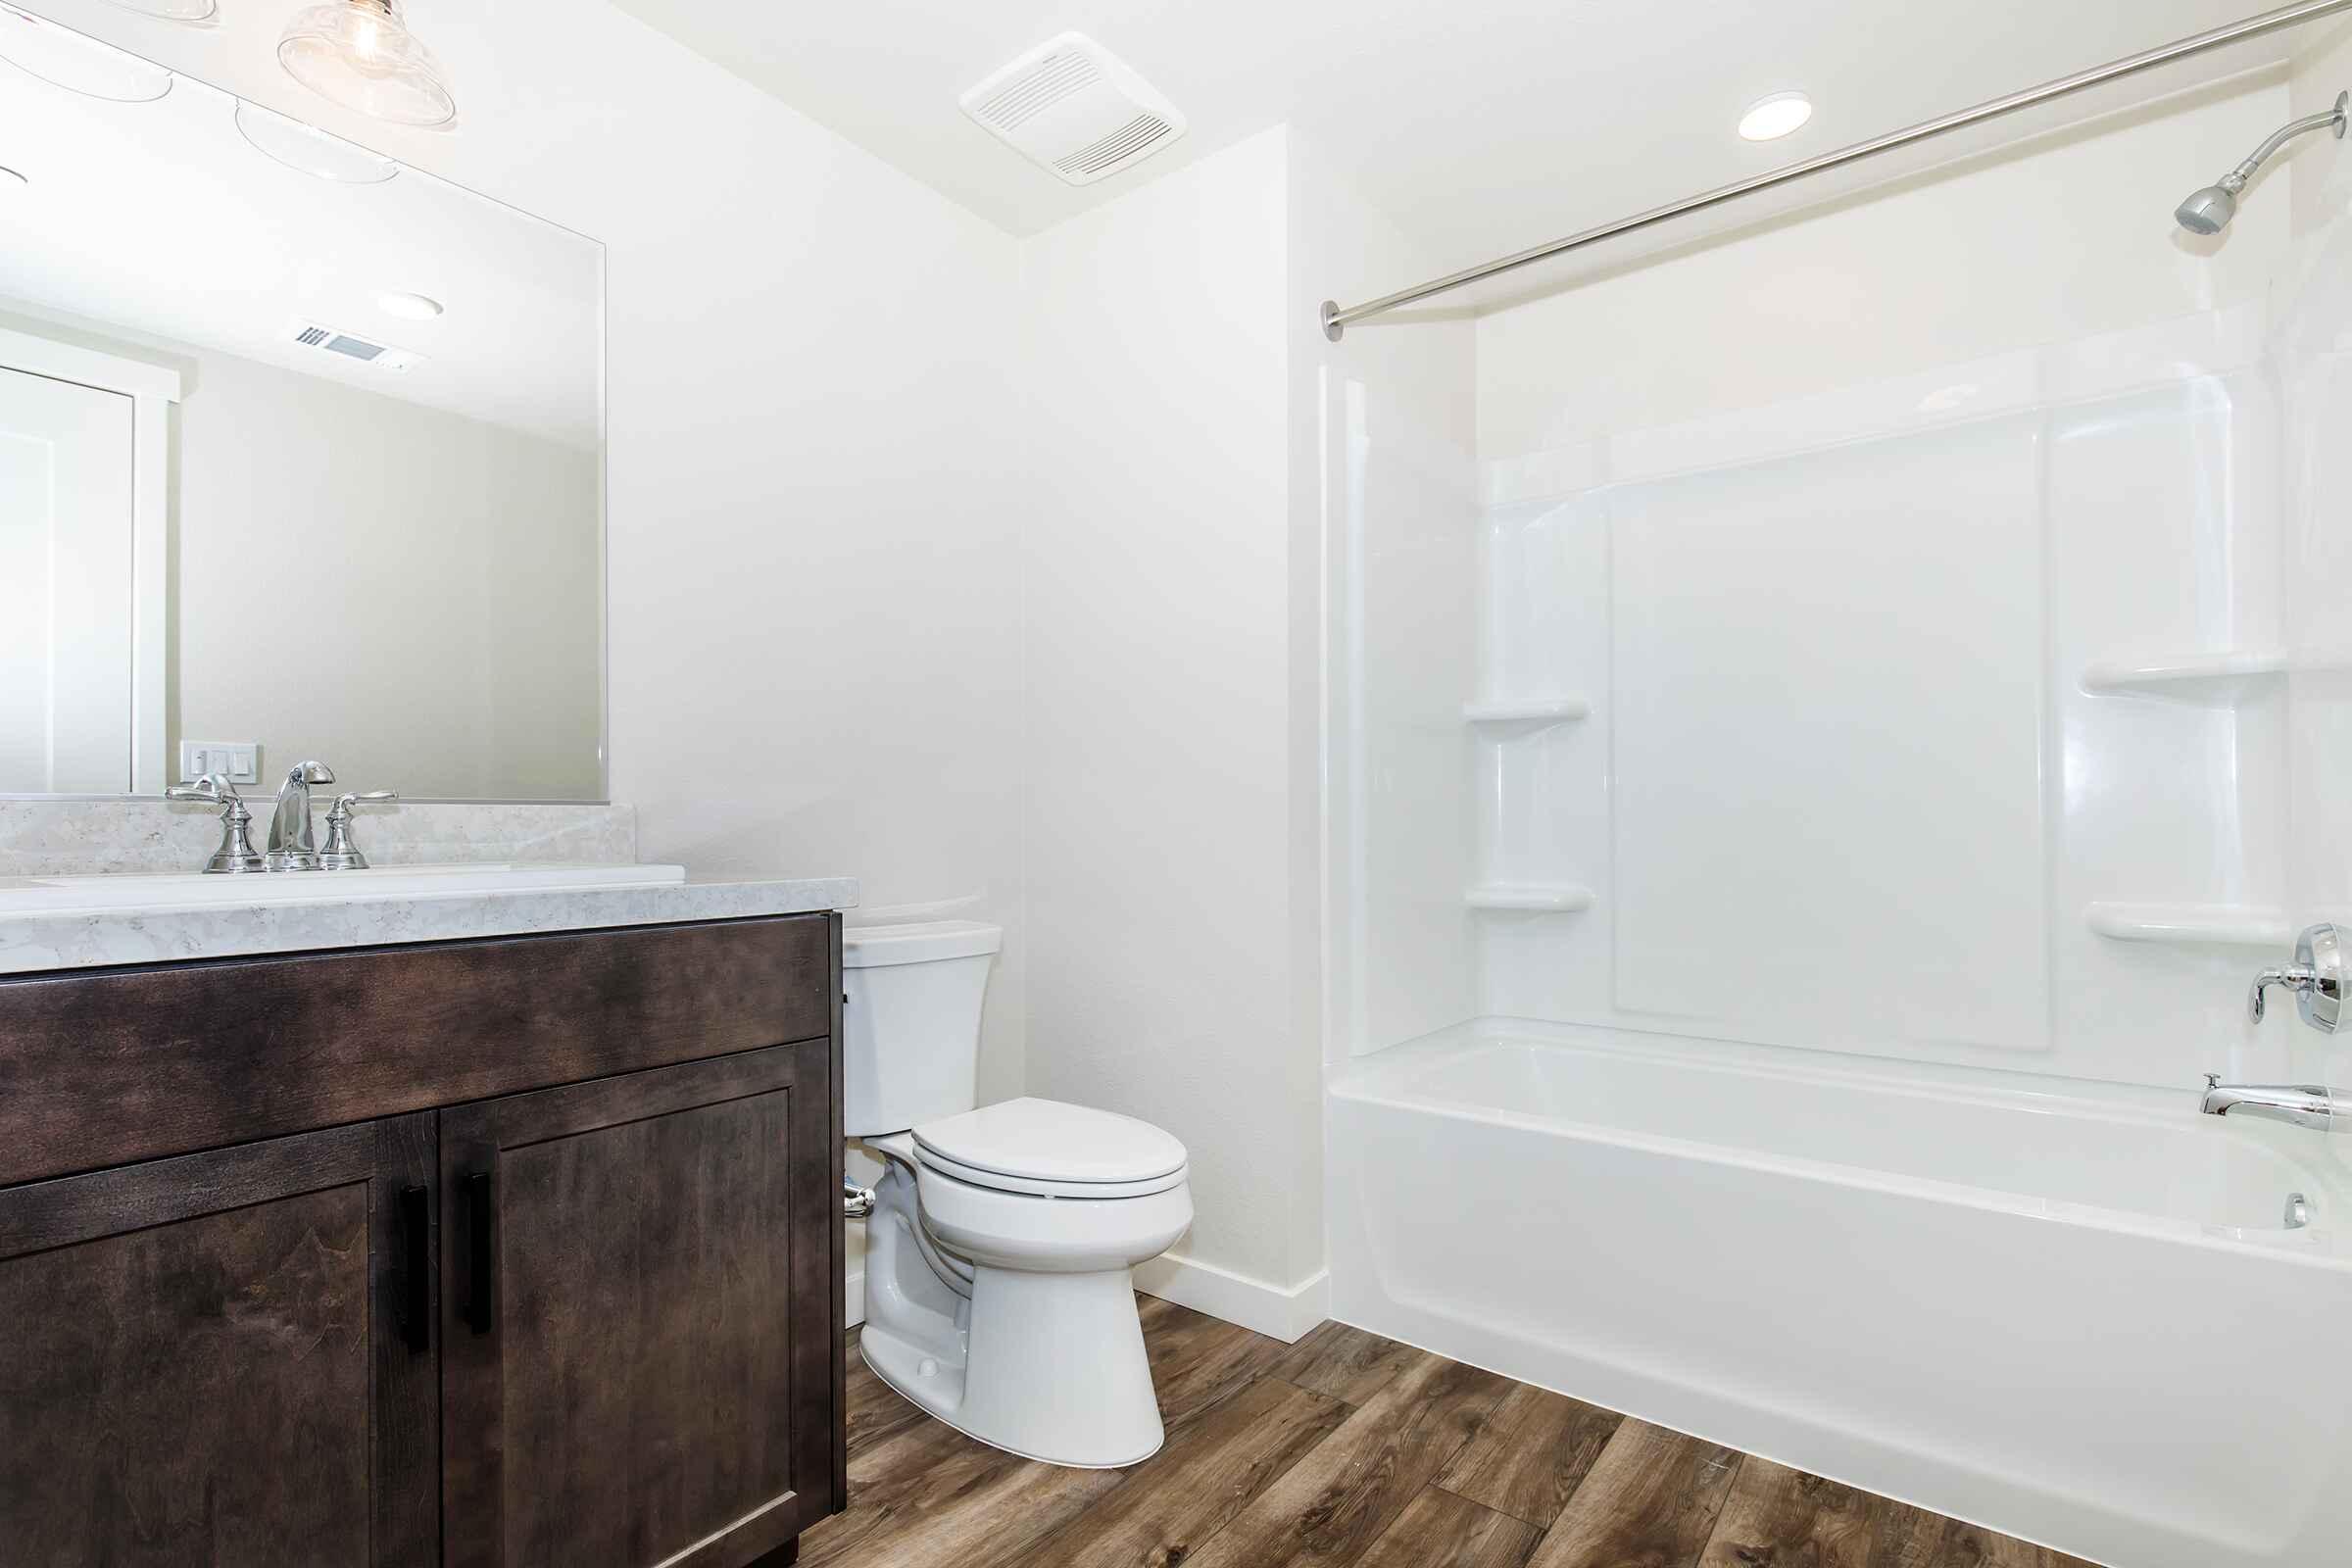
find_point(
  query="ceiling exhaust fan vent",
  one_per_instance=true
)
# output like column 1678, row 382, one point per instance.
column 1074, row 108
column 352, row 346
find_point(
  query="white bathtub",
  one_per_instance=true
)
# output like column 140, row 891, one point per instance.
column 2072, row 1315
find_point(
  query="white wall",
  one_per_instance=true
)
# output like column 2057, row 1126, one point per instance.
column 1158, row 712
column 2061, row 238
column 2319, row 183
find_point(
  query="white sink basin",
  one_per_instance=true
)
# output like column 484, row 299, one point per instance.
column 45, row 895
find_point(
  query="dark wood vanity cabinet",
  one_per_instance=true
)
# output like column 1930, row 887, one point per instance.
column 199, row 1360
column 582, row 1320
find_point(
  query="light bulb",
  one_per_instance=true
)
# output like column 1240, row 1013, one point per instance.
column 361, row 54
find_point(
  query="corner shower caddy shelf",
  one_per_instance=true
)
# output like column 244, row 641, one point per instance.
column 1532, row 711
column 2229, row 924
column 1530, row 898
column 2215, row 678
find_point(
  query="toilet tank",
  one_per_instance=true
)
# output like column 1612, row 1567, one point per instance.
column 911, row 1023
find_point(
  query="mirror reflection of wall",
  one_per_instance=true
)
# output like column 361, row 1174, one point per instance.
column 305, row 464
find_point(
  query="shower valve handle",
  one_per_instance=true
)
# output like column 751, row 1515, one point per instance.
column 2317, row 978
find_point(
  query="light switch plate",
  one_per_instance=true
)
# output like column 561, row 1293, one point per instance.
column 240, row 761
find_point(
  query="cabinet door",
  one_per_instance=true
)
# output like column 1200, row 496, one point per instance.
column 637, row 1322
column 223, row 1359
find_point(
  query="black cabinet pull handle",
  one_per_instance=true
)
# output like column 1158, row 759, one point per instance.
column 481, row 1216
column 414, row 1308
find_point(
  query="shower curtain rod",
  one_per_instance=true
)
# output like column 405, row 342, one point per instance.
column 1335, row 319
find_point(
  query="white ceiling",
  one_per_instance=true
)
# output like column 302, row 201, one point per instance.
column 160, row 218
column 1488, row 124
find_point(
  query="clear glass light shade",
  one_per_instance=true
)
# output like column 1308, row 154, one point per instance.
column 361, row 54
column 313, row 151
column 64, row 57
column 172, row 10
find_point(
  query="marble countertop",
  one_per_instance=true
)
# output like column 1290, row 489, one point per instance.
column 39, row 941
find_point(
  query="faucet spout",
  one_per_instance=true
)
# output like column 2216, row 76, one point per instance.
column 2297, row 1105
column 292, row 845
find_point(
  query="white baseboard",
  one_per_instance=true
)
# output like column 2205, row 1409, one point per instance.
column 1270, row 1309
column 1286, row 1314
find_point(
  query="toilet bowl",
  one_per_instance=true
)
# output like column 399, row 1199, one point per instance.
column 998, row 1292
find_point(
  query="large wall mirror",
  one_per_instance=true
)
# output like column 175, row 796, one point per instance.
column 301, row 454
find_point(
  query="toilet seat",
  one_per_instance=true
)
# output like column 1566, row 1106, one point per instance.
column 1038, row 1187
column 1047, row 1149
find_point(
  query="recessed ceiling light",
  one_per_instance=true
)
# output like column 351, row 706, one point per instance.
column 1770, row 119
column 410, row 307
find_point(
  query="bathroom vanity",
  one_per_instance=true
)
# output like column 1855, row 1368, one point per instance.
column 522, row 1248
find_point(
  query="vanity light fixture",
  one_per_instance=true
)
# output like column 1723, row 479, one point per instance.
column 361, row 54
column 408, row 306
column 64, row 57
column 1771, row 117
column 311, row 149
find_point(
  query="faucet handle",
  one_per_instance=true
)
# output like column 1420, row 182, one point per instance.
column 212, row 789
column 237, row 854
column 344, row 803
column 340, row 852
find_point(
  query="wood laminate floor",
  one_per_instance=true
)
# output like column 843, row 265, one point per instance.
column 1348, row 1450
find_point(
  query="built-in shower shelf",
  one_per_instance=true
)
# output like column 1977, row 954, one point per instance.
column 2224, row 677
column 1530, row 898
column 1531, row 710
column 2230, row 924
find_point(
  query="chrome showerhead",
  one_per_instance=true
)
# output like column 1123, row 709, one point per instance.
column 2210, row 210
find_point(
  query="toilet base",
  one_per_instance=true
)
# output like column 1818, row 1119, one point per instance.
column 1055, row 1369
column 1048, row 1367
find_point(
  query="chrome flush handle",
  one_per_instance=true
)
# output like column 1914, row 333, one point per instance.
column 2316, row 977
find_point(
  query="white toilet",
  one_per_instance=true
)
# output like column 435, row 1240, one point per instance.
column 997, row 1289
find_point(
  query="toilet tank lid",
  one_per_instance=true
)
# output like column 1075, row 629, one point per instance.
column 865, row 947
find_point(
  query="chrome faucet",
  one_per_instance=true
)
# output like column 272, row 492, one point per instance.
column 291, row 846
column 2298, row 1104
